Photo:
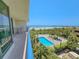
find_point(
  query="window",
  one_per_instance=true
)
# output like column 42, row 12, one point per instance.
column 5, row 29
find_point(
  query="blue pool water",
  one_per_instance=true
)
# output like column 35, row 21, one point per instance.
column 45, row 42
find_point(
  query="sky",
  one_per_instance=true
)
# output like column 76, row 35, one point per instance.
column 54, row 12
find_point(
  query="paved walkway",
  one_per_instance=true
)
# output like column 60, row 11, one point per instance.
column 17, row 49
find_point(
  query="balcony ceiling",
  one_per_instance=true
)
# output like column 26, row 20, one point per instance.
column 18, row 9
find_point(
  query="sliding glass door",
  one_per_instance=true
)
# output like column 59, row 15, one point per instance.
column 5, row 29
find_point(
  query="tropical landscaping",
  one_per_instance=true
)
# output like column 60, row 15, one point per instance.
column 68, row 45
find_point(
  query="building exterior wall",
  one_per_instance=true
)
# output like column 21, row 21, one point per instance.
column 19, row 13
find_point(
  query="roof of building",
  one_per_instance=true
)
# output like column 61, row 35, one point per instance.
column 74, row 54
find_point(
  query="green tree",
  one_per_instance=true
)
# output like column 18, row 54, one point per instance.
column 72, row 41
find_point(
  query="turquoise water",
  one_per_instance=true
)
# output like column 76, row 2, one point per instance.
column 45, row 42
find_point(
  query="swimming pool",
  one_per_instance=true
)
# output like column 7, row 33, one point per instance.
column 45, row 42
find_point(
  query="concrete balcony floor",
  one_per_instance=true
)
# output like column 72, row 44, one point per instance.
column 16, row 51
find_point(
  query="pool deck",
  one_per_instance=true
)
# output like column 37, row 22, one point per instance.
column 56, row 42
